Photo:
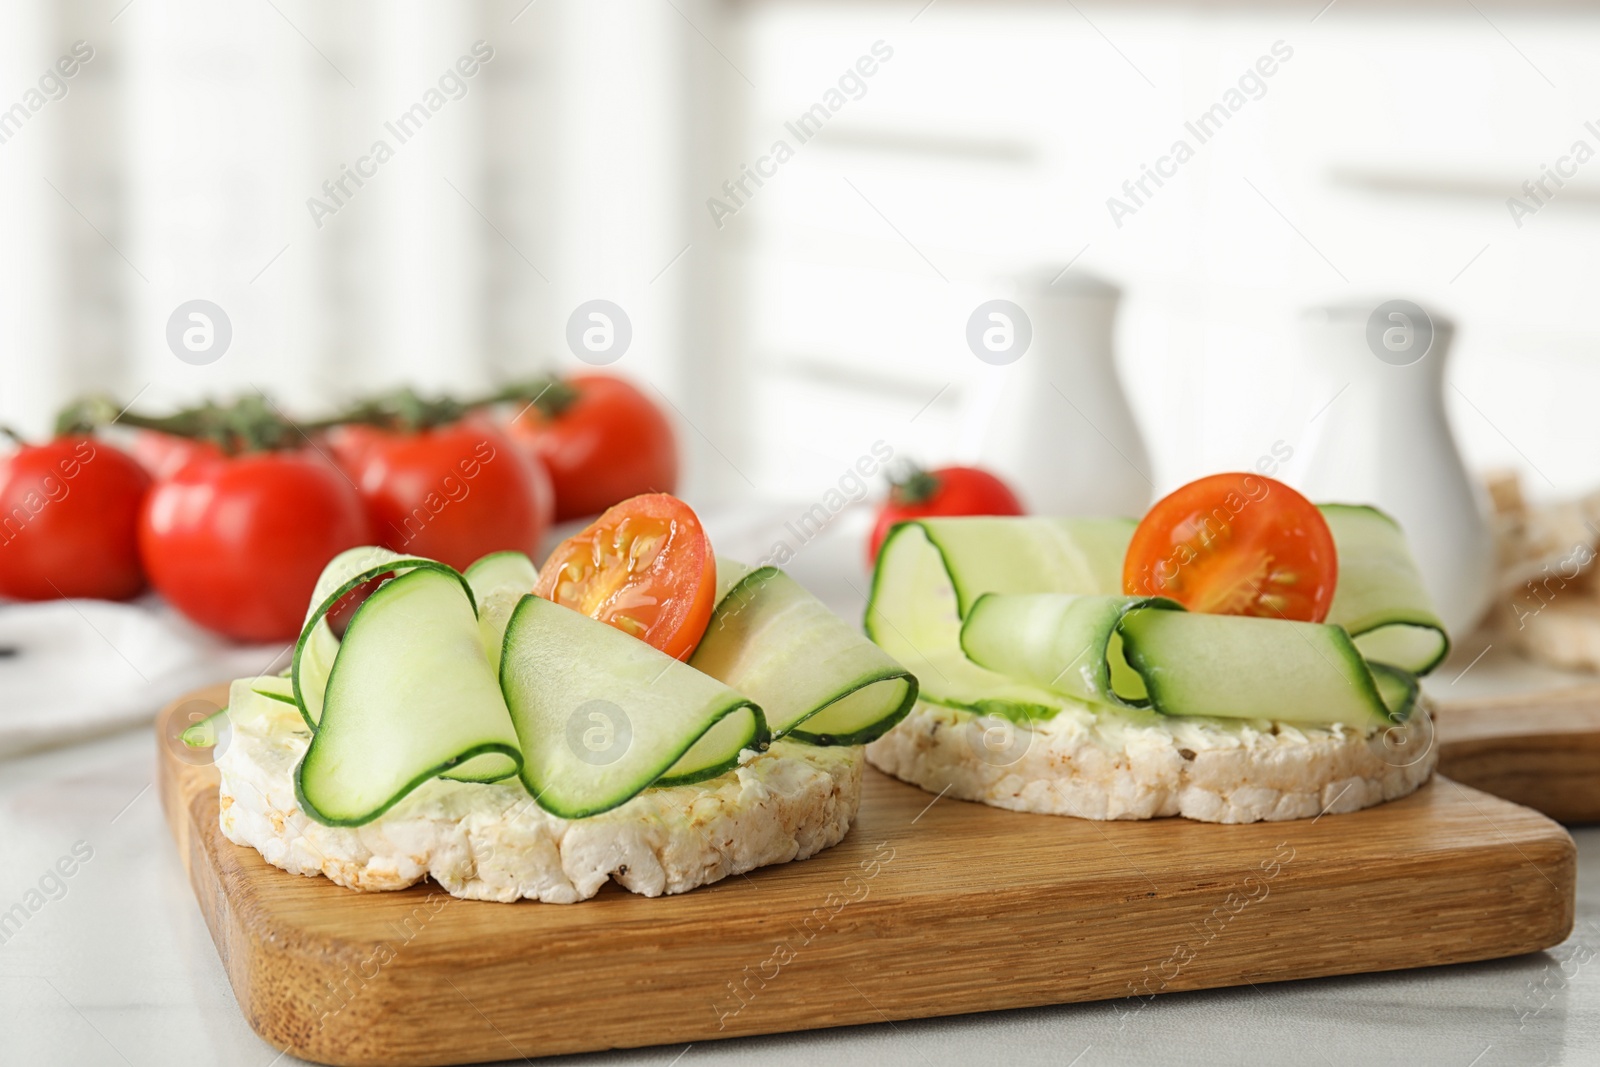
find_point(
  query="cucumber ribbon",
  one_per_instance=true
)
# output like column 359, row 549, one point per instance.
column 469, row 676
column 1022, row 617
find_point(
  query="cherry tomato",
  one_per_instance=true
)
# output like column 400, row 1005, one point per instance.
column 236, row 543
column 69, row 515
column 602, row 440
column 453, row 493
column 946, row 491
column 644, row 567
column 1236, row 544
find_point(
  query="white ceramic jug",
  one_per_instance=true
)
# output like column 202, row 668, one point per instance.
column 1385, row 440
column 1058, row 425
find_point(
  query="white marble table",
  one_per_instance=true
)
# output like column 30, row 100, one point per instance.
column 121, row 969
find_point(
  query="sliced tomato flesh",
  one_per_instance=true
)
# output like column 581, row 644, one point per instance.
column 1236, row 544
column 644, row 567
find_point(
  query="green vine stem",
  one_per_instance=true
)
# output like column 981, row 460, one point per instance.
column 913, row 485
column 255, row 423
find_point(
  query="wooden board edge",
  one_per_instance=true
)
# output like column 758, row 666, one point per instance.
column 1541, row 751
column 1561, row 781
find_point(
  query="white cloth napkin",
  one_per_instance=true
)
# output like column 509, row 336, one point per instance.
column 72, row 669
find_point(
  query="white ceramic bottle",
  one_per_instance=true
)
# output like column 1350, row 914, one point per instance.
column 1058, row 425
column 1385, row 440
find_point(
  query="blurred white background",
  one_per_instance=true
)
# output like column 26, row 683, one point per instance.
column 830, row 309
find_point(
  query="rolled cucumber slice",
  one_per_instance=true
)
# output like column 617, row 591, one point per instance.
column 1380, row 598
column 410, row 696
column 317, row 646
column 602, row 716
column 814, row 676
column 1062, row 642
column 1239, row 667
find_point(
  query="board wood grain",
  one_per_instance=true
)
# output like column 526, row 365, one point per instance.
column 929, row 907
column 1540, row 749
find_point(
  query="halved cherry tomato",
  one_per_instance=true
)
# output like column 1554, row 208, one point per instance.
column 644, row 567
column 1235, row 544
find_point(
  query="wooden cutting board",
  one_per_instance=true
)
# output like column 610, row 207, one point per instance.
column 1541, row 749
column 929, row 907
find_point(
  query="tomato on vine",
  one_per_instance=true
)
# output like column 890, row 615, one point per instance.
column 452, row 493
column 601, row 439
column 69, row 513
column 236, row 542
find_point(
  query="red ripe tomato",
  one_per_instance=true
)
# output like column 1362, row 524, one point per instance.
column 947, row 491
column 236, row 543
column 452, row 493
column 69, row 514
column 645, row 567
column 1236, row 544
column 602, row 440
